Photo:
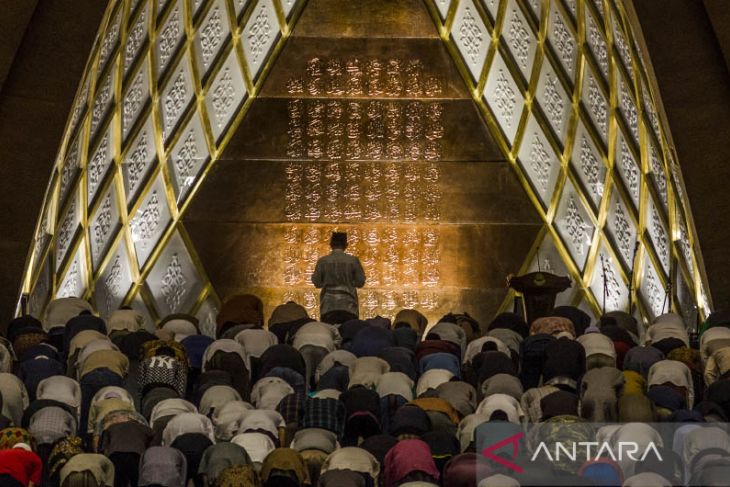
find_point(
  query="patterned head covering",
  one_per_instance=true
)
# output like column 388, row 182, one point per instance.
column 62, row 452
column 552, row 325
column 9, row 437
column 285, row 460
column 27, row 340
column 238, row 476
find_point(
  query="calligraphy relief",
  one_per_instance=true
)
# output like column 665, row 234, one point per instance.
column 146, row 222
column 176, row 97
column 622, row 46
column 613, row 289
column 369, row 164
column 365, row 130
column 355, row 76
column 71, row 282
column 103, row 99
column 401, row 262
column 110, row 39
column 659, row 238
column 554, row 101
column 223, row 96
column 393, row 193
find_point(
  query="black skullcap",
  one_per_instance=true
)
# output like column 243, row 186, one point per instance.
column 338, row 239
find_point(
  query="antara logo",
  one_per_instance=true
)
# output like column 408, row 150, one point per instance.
column 592, row 450
column 514, row 440
column 619, row 452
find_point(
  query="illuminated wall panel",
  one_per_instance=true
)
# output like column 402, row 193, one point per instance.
column 561, row 85
column 593, row 153
column 164, row 84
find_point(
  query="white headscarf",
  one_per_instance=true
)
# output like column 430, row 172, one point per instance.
column 715, row 334
column 499, row 480
column 669, row 325
column 62, row 389
column 395, row 383
column 367, row 371
column 15, row 397
column 268, row 392
column 647, row 479
column 185, row 423
column 597, row 343
column 257, row 445
column 171, row 407
column 217, row 396
column 502, row 402
column 431, row 379
column 450, row 332
column 704, row 438
column 640, row 433
column 125, row 319
column 475, row 347
column 352, row 458
column 61, row 310
column 260, row 420
column 225, row 345
column 342, row 357
column 317, row 334
column 675, row 372
column 225, row 418
column 255, row 341
column 6, row 359
column 466, row 428
column 717, row 365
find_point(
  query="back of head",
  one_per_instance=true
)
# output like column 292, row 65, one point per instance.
column 338, row 240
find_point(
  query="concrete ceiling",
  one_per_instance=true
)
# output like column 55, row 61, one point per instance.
column 43, row 48
column 44, row 45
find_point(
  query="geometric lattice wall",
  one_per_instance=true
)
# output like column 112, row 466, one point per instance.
column 566, row 91
column 561, row 84
column 165, row 84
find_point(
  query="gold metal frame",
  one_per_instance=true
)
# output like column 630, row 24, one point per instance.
column 643, row 79
column 86, row 94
